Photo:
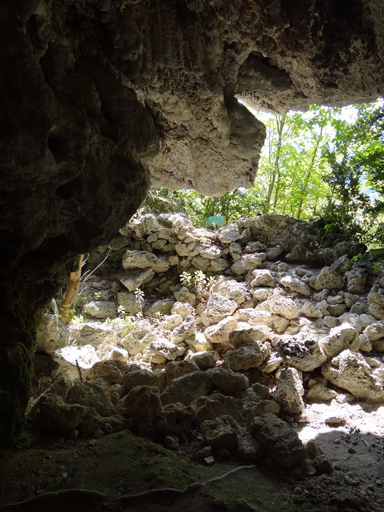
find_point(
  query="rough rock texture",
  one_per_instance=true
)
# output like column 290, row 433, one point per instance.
column 106, row 99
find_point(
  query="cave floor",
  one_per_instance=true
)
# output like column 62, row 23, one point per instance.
column 117, row 466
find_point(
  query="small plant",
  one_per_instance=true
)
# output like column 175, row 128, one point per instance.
column 121, row 312
column 199, row 283
column 328, row 228
column 377, row 267
column 139, row 294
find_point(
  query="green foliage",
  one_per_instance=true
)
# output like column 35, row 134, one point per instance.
column 313, row 164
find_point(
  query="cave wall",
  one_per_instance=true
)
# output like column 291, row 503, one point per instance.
column 103, row 99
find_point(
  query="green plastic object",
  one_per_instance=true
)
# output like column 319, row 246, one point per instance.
column 219, row 220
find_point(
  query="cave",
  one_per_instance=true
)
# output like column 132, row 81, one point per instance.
column 103, row 100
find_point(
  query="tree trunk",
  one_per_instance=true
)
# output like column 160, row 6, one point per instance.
column 69, row 301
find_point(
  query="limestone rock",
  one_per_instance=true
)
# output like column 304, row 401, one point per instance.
column 248, row 356
column 350, row 371
column 229, row 233
column 233, row 290
column 172, row 321
column 294, row 284
column 220, row 432
column 100, row 309
column 185, row 331
column 145, row 225
column 91, row 395
column 253, row 261
column 255, row 317
column 111, row 371
column 51, row 332
column 204, row 360
column 173, row 420
column 140, row 377
column 183, row 309
column 106, row 351
column 129, row 302
column 340, row 338
column 246, row 334
column 94, row 333
column 239, row 267
column 248, row 449
column 262, row 278
column 356, row 280
column 220, row 332
column 184, row 295
column 163, row 307
column 302, row 352
column 284, row 307
column 215, row 405
column 290, row 391
column 50, row 413
column 375, row 331
column 280, row 441
column 218, row 308
column 165, row 348
column 320, row 393
column 176, row 369
column 187, row 388
column 328, row 279
column 274, row 252
column 310, row 310
column 261, row 294
column 142, row 404
column 135, row 279
column 228, row 381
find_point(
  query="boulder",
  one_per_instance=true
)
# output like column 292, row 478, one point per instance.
column 166, row 349
column 140, row 377
column 100, row 309
column 302, row 352
column 220, row 432
column 310, row 310
column 356, row 280
column 51, row 333
column 229, row 233
column 220, row 332
column 129, row 302
column 285, row 307
column 215, row 405
column 320, row 393
column 187, row 388
column 91, row 395
column 327, row 279
column 274, row 252
column 142, row 404
column 183, row 309
column 50, row 413
column 218, row 308
column 254, row 317
column 184, row 295
column 247, row 333
column 233, row 290
column 176, row 369
column 279, row 440
column 110, row 371
column 107, row 351
column 94, row 333
column 185, row 331
column 172, row 321
column 340, row 338
column 228, row 381
column 248, row 449
column 248, row 356
column 162, row 307
column 350, row 371
column 174, row 420
column 137, row 278
column 261, row 294
column 290, row 391
column 204, row 360
column 262, row 277
column 294, row 284
column 145, row 225
column 255, row 247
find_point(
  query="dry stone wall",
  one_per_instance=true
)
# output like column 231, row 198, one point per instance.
column 240, row 361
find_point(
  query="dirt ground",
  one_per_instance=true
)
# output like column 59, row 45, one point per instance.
column 54, row 474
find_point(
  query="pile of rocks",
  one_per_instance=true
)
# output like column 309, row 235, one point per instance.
column 239, row 361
